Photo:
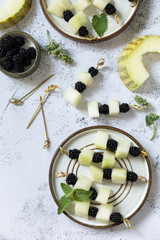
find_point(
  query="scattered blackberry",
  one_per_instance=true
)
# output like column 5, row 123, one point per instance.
column 19, row 68
column 2, row 51
column 7, row 65
column 135, row 151
column 74, row 154
column 80, row 87
column 104, row 109
column 17, row 58
column 107, row 173
column 67, row 15
column 97, row 157
column 93, row 71
column 20, row 41
column 110, row 9
column 10, row 54
column 124, row 107
column 116, row 218
column 26, row 62
column 71, row 179
column 132, row 176
column 93, row 212
column 32, row 52
column 8, row 41
column 94, row 194
column 112, row 145
column 83, row 32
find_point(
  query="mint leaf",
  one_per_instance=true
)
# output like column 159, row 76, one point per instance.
column 100, row 24
column 142, row 101
column 151, row 118
column 64, row 202
column 66, row 189
column 81, row 195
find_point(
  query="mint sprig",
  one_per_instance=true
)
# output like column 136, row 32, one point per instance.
column 79, row 195
column 100, row 24
column 150, row 118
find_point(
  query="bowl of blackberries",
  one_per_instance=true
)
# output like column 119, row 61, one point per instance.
column 19, row 54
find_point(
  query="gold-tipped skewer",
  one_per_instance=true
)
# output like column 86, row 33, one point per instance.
column 47, row 142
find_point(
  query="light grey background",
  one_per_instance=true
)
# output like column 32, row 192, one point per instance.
column 27, row 210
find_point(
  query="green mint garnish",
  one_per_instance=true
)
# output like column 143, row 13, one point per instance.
column 100, row 24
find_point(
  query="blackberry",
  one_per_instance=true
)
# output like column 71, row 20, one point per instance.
column 97, row 157
column 83, row 32
column 132, row 176
column 80, row 87
column 94, row 194
column 93, row 212
column 15, row 48
column 116, row 218
column 93, row 71
column 10, row 54
column 71, row 179
column 107, row 173
column 74, row 154
column 7, row 65
column 20, row 41
column 67, row 15
column 32, row 52
column 17, row 58
column 26, row 62
column 2, row 51
column 18, row 67
column 124, row 107
column 135, row 151
column 104, row 109
column 23, row 52
column 8, row 41
column 112, row 145
column 110, row 9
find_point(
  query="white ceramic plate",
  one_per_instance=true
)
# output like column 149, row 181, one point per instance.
column 126, row 199
column 124, row 11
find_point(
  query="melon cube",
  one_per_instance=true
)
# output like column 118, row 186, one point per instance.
column 83, row 182
column 72, row 96
column 81, row 5
column 123, row 149
column 108, row 159
column 101, row 4
column 76, row 22
column 85, row 78
column 96, row 174
column 103, row 195
column 82, row 208
column 104, row 213
column 119, row 175
column 85, row 157
column 57, row 8
column 67, row 3
column 93, row 109
column 101, row 140
column 113, row 108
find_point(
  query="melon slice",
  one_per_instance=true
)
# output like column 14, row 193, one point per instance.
column 81, row 5
column 72, row 96
column 103, row 195
column 93, row 109
column 13, row 12
column 119, row 175
column 83, row 182
column 76, row 22
column 59, row 6
column 85, row 78
column 85, row 157
column 101, row 140
column 108, row 159
column 104, row 213
column 101, row 4
column 96, row 174
column 82, row 208
column 123, row 149
column 130, row 66
column 113, row 108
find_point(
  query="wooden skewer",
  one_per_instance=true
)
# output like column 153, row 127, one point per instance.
column 47, row 142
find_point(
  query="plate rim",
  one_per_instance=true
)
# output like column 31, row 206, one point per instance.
column 112, row 35
column 84, row 130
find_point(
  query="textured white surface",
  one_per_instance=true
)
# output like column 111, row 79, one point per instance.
column 27, row 210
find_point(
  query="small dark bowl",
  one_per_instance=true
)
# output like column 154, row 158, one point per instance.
column 29, row 42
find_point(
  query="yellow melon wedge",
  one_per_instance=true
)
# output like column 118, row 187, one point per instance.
column 13, row 12
column 130, row 66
